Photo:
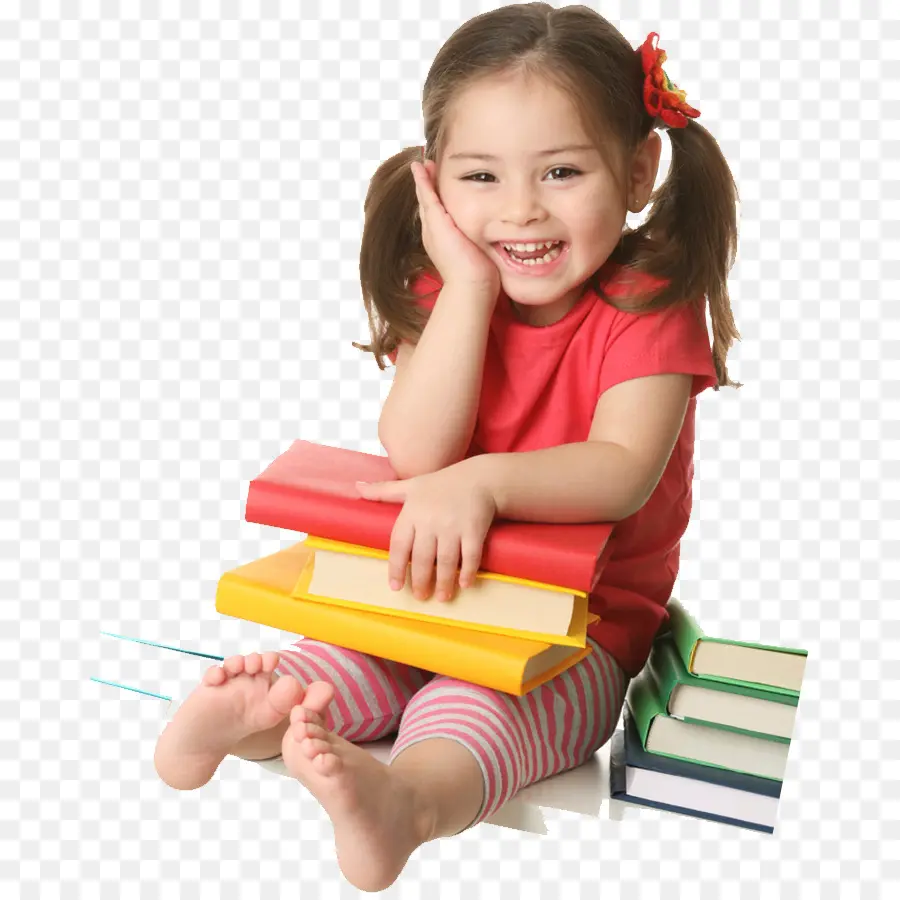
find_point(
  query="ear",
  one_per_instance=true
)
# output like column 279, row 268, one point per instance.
column 644, row 169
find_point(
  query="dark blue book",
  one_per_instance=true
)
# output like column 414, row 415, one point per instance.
column 679, row 793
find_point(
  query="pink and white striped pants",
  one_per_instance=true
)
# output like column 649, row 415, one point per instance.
column 516, row 740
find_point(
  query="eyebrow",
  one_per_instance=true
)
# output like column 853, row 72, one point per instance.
column 556, row 150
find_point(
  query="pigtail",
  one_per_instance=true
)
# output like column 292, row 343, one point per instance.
column 689, row 239
column 391, row 255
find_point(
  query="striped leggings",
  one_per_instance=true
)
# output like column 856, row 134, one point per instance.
column 516, row 740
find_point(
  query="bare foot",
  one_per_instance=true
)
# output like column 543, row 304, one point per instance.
column 241, row 697
column 379, row 818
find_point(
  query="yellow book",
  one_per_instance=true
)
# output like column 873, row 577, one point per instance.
column 339, row 574
column 261, row 592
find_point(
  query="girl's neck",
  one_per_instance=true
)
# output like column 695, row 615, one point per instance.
column 542, row 316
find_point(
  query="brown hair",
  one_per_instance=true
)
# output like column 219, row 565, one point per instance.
column 689, row 238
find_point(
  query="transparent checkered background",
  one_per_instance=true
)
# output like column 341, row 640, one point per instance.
column 180, row 216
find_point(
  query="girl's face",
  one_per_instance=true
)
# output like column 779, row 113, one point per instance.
column 518, row 168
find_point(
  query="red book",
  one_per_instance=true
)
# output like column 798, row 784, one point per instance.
column 311, row 488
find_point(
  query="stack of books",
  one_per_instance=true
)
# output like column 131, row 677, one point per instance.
column 707, row 726
column 523, row 621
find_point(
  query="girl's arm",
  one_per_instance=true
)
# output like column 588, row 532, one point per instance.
column 429, row 416
column 606, row 478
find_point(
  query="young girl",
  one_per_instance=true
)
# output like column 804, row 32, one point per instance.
column 547, row 361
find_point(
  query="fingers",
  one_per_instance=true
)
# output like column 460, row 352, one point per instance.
column 471, row 560
column 419, row 176
column 399, row 552
column 427, row 559
column 422, row 566
column 423, row 176
column 447, row 567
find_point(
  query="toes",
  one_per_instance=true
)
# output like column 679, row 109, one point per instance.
column 270, row 660
column 312, row 738
column 214, row 675
column 327, row 763
column 300, row 731
column 312, row 747
column 285, row 693
column 252, row 663
column 318, row 695
column 234, row 665
column 301, row 714
column 309, row 730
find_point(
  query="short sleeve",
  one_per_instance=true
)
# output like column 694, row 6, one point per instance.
column 425, row 287
column 671, row 340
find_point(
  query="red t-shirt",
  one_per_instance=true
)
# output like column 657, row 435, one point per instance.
column 540, row 388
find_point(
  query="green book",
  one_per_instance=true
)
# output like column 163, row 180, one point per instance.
column 739, row 707
column 734, row 662
column 707, row 745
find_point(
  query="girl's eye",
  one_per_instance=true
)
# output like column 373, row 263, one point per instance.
column 554, row 169
column 564, row 169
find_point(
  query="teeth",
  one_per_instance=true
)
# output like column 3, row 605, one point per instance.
column 542, row 260
column 528, row 247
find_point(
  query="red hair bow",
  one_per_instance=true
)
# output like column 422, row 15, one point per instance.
column 662, row 97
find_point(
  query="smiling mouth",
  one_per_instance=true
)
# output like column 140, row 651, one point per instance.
column 539, row 255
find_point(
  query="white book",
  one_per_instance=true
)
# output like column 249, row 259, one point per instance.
column 714, row 799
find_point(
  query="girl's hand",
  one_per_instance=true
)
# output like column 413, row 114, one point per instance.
column 446, row 515
column 457, row 258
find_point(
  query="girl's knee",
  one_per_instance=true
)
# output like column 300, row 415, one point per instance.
column 444, row 690
column 448, row 702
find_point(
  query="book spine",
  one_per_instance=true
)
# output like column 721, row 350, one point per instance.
column 645, row 702
column 662, row 668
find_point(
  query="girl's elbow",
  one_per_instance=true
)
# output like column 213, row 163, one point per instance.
column 416, row 461
column 411, row 468
column 408, row 464
column 635, row 499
